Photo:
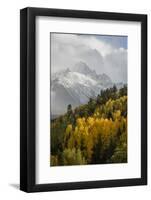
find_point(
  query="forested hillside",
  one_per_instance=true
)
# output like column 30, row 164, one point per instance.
column 94, row 133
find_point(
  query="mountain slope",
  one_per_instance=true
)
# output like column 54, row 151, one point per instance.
column 93, row 133
column 75, row 86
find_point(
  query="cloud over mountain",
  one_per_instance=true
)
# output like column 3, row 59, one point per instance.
column 100, row 54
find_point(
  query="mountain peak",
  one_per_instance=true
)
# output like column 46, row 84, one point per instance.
column 81, row 67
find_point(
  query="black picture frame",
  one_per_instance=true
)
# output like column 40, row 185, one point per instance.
column 28, row 98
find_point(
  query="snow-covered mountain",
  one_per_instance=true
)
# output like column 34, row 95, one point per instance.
column 75, row 86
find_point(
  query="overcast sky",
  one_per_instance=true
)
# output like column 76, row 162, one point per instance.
column 104, row 54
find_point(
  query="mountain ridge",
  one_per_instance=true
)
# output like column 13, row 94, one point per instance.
column 75, row 86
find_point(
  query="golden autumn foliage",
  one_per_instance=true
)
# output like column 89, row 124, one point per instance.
column 94, row 133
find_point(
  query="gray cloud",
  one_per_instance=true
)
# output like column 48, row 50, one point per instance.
column 101, row 56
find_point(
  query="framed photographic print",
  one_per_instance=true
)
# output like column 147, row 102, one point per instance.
column 83, row 99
